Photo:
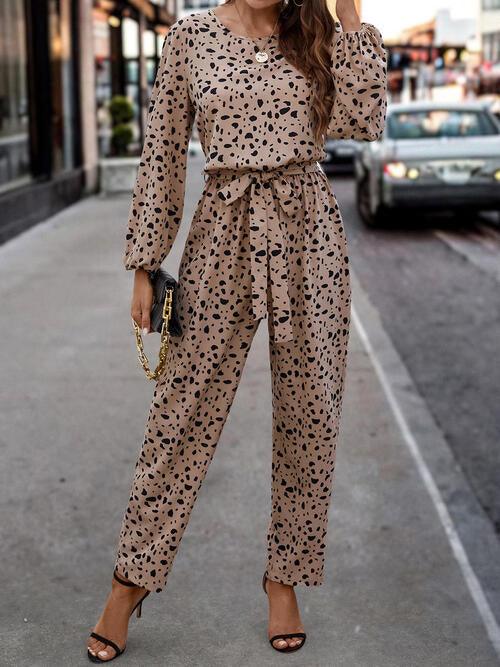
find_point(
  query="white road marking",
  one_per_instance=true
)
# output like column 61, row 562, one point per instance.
column 481, row 247
column 473, row 584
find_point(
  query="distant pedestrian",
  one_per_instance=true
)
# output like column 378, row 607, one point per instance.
column 266, row 238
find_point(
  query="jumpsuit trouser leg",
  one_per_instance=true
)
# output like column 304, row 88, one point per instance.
column 306, row 419
column 193, row 397
column 307, row 380
column 190, row 405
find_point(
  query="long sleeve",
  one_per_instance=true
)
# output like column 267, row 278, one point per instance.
column 359, row 69
column 158, row 195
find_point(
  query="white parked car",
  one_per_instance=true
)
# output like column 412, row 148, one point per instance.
column 430, row 156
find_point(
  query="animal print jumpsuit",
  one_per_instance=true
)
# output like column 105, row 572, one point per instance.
column 266, row 239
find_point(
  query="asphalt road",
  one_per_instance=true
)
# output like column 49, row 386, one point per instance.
column 435, row 283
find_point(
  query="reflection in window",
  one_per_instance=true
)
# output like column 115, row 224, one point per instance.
column 491, row 46
column 148, row 44
column 130, row 36
column 149, row 50
column 14, row 133
column 62, row 84
column 103, row 76
column 160, row 40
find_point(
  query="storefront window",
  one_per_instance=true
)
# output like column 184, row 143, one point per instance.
column 160, row 39
column 62, row 83
column 130, row 36
column 14, row 133
column 148, row 44
column 103, row 77
column 491, row 47
column 149, row 50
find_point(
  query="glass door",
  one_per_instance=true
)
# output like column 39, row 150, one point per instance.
column 14, row 120
column 62, row 84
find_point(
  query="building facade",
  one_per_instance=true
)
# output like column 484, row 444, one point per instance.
column 61, row 62
column 40, row 151
column 489, row 25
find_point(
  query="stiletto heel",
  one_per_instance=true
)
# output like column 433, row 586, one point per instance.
column 289, row 635
column 108, row 642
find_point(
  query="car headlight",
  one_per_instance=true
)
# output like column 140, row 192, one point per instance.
column 496, row 175
column 395, row 169
column 399, row 170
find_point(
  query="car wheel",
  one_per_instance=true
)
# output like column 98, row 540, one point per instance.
column 382, row 214
column 363, row 200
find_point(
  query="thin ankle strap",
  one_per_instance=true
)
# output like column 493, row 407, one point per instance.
column 122, row 581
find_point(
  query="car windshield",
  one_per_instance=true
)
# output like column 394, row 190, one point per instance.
column 436, row 123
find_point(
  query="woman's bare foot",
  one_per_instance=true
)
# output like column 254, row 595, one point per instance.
column 113, row 622
column 284, row 614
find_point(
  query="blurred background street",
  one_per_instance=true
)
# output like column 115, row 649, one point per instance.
column 414, row 547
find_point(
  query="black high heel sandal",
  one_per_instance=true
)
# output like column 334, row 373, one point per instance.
column 298, row 635
column 108, row 642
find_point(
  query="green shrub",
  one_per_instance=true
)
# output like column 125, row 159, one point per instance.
column 121, row 112
column 121, row 136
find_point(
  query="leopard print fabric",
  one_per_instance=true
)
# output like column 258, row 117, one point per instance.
column 266, row 239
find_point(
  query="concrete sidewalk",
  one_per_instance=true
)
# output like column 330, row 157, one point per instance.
column 73, row 408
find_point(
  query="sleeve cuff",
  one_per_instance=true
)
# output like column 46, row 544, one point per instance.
column 367, row 29
column 131, row 264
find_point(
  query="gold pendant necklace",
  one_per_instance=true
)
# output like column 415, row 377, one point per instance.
column 261, row 56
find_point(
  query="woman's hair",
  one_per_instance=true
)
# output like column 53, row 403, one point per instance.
column 305, row 40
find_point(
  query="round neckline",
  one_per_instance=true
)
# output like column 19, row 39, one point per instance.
column 228, row 31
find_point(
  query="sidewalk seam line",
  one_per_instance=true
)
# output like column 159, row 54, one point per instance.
column 471, row 580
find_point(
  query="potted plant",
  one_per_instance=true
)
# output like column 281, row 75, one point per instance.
column 122, row 113
column 118, row 171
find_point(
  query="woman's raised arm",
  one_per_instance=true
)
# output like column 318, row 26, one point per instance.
column 359, row 69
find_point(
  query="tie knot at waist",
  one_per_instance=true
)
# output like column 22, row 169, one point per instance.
column 268, row 249
column 239, row 181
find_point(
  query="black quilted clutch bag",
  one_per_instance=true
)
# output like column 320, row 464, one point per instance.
column 164, row 318
column 162, row 282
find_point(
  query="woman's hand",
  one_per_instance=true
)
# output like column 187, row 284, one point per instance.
column 348, row 15
column 142, row 300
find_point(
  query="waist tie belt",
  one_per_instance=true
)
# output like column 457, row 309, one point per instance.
column 268, row 250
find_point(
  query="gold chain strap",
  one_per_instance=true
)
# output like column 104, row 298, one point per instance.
column 164, row 340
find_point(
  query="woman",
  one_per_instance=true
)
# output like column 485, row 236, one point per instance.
column 266, row 80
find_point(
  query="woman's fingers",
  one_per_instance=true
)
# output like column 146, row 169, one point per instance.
column 141, row 316
column 145, row 319
column 142, row 300
column 136, row 314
